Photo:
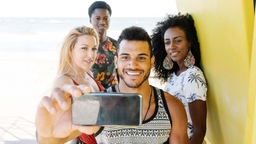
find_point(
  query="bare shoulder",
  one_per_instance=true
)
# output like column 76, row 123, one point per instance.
column 62, row 80
column 172, row 101
column 175, row 106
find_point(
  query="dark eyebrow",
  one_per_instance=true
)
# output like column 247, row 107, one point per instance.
column 124, row 54
column 179, row 37
column 142, row 54
column 175, row 37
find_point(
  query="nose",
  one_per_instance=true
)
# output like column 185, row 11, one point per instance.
column 169, row 47
column 102, row 21
column 91, row 54
column 133, row 63
column 172, row 46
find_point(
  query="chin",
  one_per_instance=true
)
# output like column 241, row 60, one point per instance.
column 102, row 30
column 133, row 84
column 86, row 69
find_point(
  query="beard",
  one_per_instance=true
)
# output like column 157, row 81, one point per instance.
column 135, row 83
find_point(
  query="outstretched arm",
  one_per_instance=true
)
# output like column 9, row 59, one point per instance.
column 53, row 117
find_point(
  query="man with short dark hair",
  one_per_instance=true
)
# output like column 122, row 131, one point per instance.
column 104, row 69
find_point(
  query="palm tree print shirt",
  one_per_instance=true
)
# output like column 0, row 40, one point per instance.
column 189, row 86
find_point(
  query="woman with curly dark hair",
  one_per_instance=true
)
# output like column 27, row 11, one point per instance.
column 178, row 62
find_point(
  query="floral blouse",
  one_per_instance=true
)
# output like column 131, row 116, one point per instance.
column 104, row 68
column 189, row 86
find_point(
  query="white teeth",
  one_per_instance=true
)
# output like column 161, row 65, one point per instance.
column 174, row 53
column 133, row 72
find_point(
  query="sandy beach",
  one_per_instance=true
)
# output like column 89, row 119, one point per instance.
column 25, row 78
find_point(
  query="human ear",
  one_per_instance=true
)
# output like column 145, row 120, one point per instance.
column 152, row 61
column 115, row 60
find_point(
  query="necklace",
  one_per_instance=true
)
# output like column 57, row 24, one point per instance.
column 148, row 104
column 150, row 97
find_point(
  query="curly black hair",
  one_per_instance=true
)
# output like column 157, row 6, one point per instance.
column 184, row 22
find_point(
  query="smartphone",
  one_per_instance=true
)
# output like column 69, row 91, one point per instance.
column 102, row 108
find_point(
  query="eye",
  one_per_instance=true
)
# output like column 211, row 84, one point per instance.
column 178, row 40
column 94, row 49
column 167, row 42
column 106, row 18
column 142, row 58
column 124, row 58
column 84, row 48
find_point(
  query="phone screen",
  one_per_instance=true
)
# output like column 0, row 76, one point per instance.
column 107, row 109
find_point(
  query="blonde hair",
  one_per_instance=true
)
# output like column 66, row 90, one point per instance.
column 65, row 63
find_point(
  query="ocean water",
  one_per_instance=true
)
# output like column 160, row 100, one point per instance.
column 46, row 34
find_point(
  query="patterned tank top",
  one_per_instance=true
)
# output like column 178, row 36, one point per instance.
column 155, row 130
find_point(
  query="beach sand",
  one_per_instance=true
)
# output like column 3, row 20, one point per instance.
column 24, row 79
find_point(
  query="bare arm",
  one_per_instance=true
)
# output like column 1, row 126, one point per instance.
column 178, row 133
column 54, row 140
column 53, row 117
column 198, row 112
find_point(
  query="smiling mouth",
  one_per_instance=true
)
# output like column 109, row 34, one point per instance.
column 134, row 73
column 88, row 61
column 173, row 53
column 102, row 27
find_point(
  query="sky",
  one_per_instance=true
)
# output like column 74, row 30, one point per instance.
column 78, row 8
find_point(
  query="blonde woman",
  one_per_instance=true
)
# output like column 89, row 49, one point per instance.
column 78, row 53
